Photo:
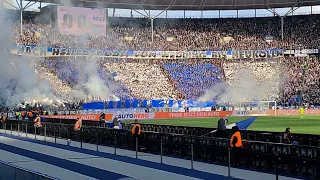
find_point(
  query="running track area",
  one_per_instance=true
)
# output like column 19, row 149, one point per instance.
column 66, row 162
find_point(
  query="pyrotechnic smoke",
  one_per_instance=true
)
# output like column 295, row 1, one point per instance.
column 244, row 87
column 96, row 86
column 90, row 85
column 19, row 82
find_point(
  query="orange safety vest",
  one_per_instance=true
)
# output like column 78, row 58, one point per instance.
column 37, row 121
column 239, row 142
column 23, row 113
column 3, row 118
column 30, row 114
column 77, row 125
column 133, row 130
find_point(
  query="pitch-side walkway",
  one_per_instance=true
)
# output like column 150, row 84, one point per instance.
column 71, row 162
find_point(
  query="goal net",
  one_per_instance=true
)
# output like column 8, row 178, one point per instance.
column 255, row 108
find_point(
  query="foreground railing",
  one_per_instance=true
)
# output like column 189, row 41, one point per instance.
column 260, row 156
column 12, row 172
column 276, row 137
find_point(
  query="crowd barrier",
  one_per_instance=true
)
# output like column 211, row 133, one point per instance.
column 12, row 172
column 196, row 114
column 265, row 136
column 291, row 160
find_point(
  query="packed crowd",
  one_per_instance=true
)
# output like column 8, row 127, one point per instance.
column 87, row 77
column 301, row 81
column 270, row 79
column 193, row 77
column 254, row 79
column 184, row 34
column 146, row 80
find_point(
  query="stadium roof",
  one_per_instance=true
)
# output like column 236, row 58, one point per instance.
column 188, row 4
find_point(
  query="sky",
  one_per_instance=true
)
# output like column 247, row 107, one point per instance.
column 196, row 14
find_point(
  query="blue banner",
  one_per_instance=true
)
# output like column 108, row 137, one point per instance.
column 60, row 51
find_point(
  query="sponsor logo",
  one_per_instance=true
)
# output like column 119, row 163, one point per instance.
column 134, row 116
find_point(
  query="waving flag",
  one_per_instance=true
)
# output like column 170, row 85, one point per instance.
column 244, row 124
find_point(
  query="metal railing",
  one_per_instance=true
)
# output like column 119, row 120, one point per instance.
column 12, row 172
column 276, row 158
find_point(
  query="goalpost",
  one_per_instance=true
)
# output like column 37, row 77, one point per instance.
column 255, row 108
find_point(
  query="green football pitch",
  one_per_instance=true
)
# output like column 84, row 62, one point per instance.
column 307, row 125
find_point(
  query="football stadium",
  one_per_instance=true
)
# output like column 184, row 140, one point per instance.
column 153, row 90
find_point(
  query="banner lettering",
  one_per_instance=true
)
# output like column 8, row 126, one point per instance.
column 130, row 54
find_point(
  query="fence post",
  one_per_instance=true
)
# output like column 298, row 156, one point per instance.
column 229, row 163
column 191, row 156
column 80, row 138
column 115, row 144
column 18, row 129
column 161, row 151
column 26, row 130
column 11, row 128
column 54, row 133
column 97, row 142
column 35, row 132
column 45, row 132
column 136, row 147
column 277, row 171
column 5, row 128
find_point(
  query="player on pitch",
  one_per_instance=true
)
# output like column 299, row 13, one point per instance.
column 301, row 111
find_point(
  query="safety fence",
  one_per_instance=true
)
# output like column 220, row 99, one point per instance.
column 12, row 172
column 265, row 136
column 277, row 158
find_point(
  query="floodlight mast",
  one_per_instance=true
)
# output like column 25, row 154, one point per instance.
column 273, row 11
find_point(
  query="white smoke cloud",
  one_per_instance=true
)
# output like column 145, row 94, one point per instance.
column 95, row 85
column 90, row 85
column 19, row 82
column 244, row 86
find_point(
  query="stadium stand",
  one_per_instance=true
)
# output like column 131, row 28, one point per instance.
column 176, row 80
column 194, row 77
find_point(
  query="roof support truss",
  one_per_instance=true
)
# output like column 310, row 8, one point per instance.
column 29, row 5
column 294, row 8
column 6, row 2
column 171, row 4
column 146, row 16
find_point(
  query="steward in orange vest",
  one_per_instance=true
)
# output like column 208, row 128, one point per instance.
column 37, row 121
column 3, row 118
column 23, row 115
column 30, row 115
column 136, row 130
column 77, row 125
column 236, row 140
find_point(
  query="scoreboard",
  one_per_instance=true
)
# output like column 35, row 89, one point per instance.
column 81, row 21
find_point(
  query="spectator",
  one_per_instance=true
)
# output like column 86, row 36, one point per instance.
column 221, row 128
column 287, row 137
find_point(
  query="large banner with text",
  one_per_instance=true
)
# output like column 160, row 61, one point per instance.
column 230, row 54
column 132, row 116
